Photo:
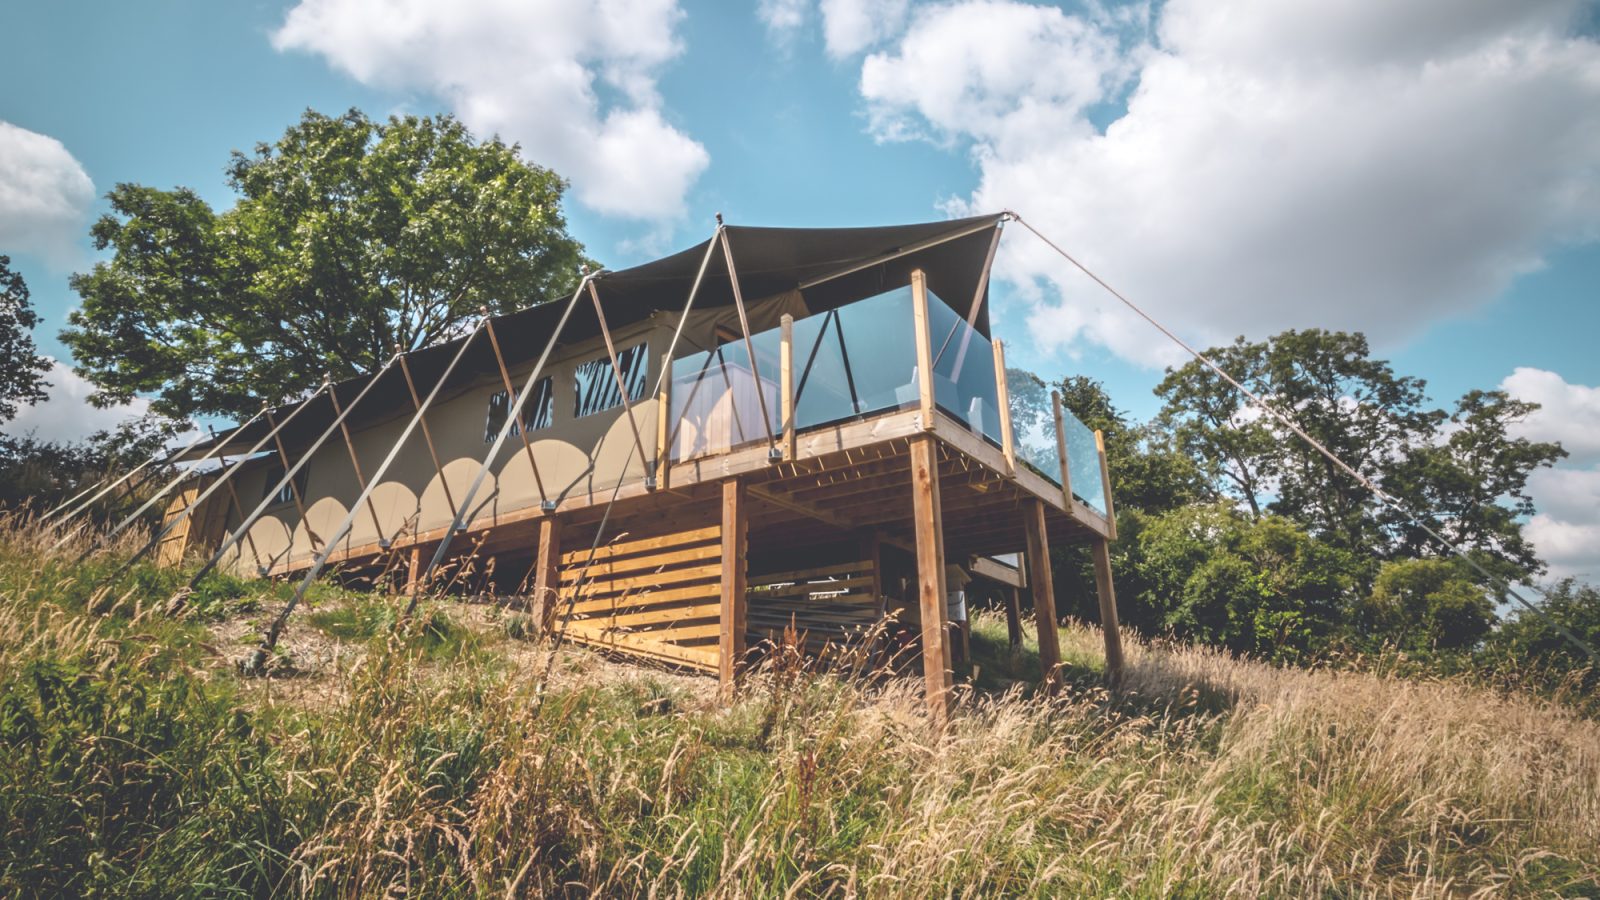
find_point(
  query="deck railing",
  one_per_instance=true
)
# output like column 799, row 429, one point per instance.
column 857, row 361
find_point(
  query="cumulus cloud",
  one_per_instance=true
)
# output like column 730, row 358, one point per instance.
column 851, row 26
column 1355, row 164
column 44, row 196
column 784, row 19
column 573, row 81
column 1566, row 529
column 848, row 26
column 67, row 414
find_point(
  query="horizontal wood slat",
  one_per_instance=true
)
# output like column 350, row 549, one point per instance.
column 613, row 586
column 642, row 599
column 642, row 545
column 699, row 657
column 807, row 588
column 612, row 568
column 810, row 574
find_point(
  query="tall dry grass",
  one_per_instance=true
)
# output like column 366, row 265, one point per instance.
column 138, row 763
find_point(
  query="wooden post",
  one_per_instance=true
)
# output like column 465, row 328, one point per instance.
column 1061, row 449
column 413, row 569
column 664, row 429
column 294, row 489
column 1044, row 600
column 1105, row 486
column 871, row 551
column 1013, row 617
column 355, row 463
column 930, row 577
column 1008, row 444
column 735, row 528
column 511, row 403
column 1109, row 624
column 546, row 573
column 924, row 336
column 427, row 435
column 786, row 381
column 616, row 371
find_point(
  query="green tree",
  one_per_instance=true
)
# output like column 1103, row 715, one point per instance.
column 1532, row 647
column 21, row 367
column 1360, row 410
column 1217, row 428
column 349, row 236
column 1472, row 485
column 1424, row 605
column 1260, row 586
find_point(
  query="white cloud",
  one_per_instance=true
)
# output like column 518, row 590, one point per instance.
column 1566, row 530
column 573, row 81
column 67, row 414
column 784, row 19
column 1355, row 164
column 851, row 26
column 44, row 196
column 1569, row 413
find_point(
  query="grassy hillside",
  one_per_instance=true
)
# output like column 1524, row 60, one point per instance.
column 429, row 760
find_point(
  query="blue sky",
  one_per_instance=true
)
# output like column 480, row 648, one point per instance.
column 1425, row 172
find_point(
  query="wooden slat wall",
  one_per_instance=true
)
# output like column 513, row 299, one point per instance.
column 202, row 531
column 654, row 596
column 832, row 604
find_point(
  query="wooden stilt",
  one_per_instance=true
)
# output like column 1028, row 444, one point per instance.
column 1044, row 600
column 735, row 547
column 1101, row 551
column 1013, row 604
column 930, row 578
column 546, row 573
column 413, row 568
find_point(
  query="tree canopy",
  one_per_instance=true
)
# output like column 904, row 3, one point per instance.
column 348, row 237
column 21, row 367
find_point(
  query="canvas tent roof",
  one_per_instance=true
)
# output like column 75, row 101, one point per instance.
column 768, row 261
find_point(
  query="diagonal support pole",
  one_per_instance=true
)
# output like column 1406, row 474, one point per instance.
column 177, row 480
column 458, row 522
column 290, row 473
column 270, row 640
column 355, row 463
column 511, row 391
column 749, row 345
column 616, row 371
column 205, row 495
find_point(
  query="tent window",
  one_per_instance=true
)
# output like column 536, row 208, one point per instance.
column 287, row 492
column 537, row 413
column 596, row 388
column 540, row 410
column 499, row 408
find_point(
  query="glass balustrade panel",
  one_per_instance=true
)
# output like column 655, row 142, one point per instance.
column 963, row 371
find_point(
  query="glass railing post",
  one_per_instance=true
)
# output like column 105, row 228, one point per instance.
column 664, row 427
column 1105, row 486
column 919, row 317
column 1061, row 449
column 786, row 382
column 1008, row 444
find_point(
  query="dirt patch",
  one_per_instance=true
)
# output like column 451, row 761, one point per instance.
column 310, row 663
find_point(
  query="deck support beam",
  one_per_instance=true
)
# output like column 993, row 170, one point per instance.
column 735, row 549
column 1044, row 599
column 546, row 574
column 1101, row 551
column 930, row 578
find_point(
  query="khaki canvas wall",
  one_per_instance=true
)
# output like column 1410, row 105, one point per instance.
column 574, row 457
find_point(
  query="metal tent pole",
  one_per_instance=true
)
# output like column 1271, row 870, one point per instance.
column 512, row 417
column 206, row 494
column 270, row 640
column 290, row 473
column 154, row 499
